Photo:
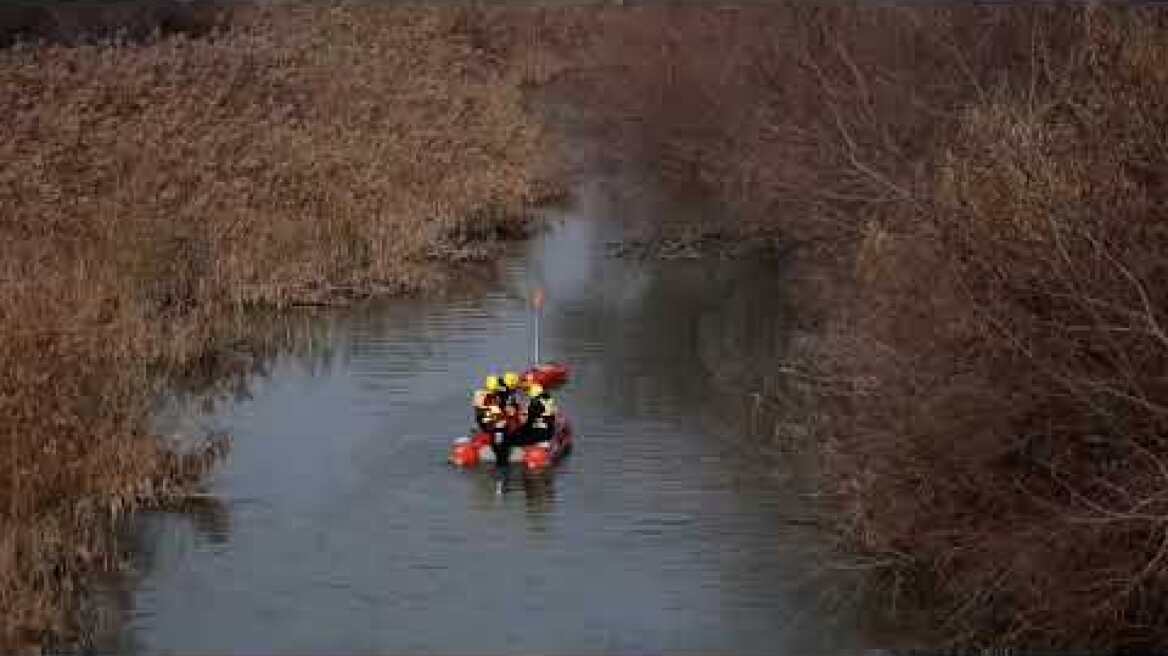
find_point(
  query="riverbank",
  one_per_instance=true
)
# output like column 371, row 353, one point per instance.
column 339, row 528
column 153, row 191
column 973, row 198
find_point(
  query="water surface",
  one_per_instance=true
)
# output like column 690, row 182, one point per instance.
column 335, row 525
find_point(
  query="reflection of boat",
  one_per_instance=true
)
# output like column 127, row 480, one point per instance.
column 469, row 451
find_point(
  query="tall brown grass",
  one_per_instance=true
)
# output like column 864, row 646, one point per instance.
column 978, row 196
column 152, row 190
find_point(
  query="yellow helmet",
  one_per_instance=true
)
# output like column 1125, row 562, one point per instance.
column 511, row 379
column 492, row 383
column 535, row 389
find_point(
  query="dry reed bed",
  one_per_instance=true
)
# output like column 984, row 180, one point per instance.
column 979, row 196
column 149, row 191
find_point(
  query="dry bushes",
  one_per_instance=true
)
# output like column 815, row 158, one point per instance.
column 148, row 192
column 978, row 193
column 1022, row 402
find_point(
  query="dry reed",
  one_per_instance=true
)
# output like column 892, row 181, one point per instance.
column 150, row 189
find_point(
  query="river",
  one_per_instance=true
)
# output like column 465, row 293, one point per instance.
column 335, row 525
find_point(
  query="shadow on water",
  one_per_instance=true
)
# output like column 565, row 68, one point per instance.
column 335, row 525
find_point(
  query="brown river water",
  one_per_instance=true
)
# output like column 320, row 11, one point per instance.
column 335, row 525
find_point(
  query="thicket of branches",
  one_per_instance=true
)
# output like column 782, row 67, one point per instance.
column 978, row 194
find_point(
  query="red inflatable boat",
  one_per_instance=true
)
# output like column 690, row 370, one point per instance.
column 470, row 451
column 550, row 375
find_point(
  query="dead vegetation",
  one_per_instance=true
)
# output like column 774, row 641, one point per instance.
column 151, row 190
column 977, row 194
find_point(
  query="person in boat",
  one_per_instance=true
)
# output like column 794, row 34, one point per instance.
column 501, row 432
column 508, row 429
column 484, row 400
column 537, row 427
column 509, row 397
column 540, row 425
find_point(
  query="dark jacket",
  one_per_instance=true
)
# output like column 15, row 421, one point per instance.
column 506, row 396
column 541, row 409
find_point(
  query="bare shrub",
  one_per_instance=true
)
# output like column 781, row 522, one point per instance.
column 1023, row 316
column 977, row 195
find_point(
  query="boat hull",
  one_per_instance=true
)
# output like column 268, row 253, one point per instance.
column 467, row 452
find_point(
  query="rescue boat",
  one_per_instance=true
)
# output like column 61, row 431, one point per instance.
column 470, row 451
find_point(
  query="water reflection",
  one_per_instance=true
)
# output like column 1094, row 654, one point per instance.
column 210, row 518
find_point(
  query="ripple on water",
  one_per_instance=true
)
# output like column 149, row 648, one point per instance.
column 355, row 536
